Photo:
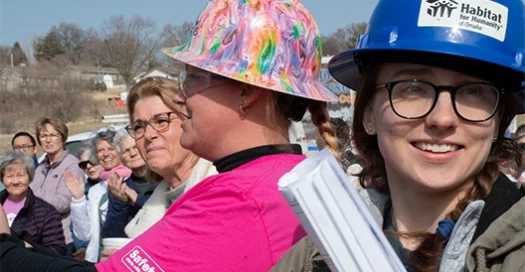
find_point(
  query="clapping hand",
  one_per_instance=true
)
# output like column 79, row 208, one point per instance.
column 117, row 187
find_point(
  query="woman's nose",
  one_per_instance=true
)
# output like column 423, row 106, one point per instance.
column 442, row 115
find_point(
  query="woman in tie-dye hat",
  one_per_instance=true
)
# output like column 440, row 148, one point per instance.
column 252, row 67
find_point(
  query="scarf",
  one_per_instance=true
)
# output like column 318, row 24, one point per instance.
column 121, row 170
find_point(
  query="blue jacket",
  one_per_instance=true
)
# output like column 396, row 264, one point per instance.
column 120, row 213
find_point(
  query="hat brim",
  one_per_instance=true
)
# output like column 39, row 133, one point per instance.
column 312, row 89
column 344, row 68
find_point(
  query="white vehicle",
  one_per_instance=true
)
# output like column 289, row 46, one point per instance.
column 73, row 142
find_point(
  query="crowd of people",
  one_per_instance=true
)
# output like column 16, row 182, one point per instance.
column 191, row 183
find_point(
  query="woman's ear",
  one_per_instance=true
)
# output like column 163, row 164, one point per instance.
column 369, row 123
column 249, row 94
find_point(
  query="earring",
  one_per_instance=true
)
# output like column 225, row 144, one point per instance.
column 495, row 139
column 242, row 109
column 369, row 129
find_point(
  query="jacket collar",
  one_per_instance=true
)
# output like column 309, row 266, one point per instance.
column 30, row 198
column 503, row 196
column 58, row 162
column 504, row 235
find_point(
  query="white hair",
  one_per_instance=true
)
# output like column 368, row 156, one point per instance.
column 121, row 135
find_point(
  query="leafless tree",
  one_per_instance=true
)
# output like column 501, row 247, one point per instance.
column 175, row 35
column 129, row 44
column 347, row 36
column 331, row 46
column 94, row 53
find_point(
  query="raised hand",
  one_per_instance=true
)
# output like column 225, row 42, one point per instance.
column 75, row 185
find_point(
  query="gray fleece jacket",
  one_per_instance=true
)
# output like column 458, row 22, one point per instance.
column 500, row 248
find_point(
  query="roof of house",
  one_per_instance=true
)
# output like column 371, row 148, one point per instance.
column 170, row 71
column 32, row 72
column 94, row 69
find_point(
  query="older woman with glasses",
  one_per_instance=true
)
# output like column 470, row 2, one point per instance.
column 30, row 217
column 252, row 67
column 89, row 214
column 89, row 164
column 48, row 183
column 155, row 126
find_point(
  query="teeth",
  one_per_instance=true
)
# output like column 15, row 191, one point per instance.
column 436, row 148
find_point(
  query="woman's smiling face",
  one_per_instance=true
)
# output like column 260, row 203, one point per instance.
column 437, row 152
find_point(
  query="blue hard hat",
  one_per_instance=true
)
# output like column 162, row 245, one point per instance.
column 491, row 32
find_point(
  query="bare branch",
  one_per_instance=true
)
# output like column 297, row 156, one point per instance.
column 129, row 45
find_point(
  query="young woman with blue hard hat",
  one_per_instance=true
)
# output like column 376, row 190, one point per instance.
column 437, row 83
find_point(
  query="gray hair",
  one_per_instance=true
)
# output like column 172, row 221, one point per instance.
column 13, row 157
column 88, row 146
column 520, row 132
column 121, row 135
column 105, row 135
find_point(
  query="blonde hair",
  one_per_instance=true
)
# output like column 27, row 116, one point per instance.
column 161, row 87
column 57, row 124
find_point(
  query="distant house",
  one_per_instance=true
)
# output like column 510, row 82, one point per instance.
column 107, row 80
column 325, row 60
column 12, row 78
column 169, row 73
column 110, row 76
column 9, row 79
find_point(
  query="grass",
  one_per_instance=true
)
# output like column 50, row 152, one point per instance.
column 90, row 119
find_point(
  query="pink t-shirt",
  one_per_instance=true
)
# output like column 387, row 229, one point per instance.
column 12, row 208
column 234, row 221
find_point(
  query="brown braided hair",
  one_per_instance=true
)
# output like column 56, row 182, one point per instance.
column 321, row 120
column 280, row 116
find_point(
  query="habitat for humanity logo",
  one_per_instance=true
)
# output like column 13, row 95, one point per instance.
column 441, row 7
column 485, row 17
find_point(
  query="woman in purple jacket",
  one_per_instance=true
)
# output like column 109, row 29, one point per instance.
column 48, row 183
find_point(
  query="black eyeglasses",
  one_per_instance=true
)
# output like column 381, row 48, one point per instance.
column 159, row 122
column 22, row 147
column 414, row 99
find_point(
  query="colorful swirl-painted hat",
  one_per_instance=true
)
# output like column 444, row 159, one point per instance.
column 274, row 44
